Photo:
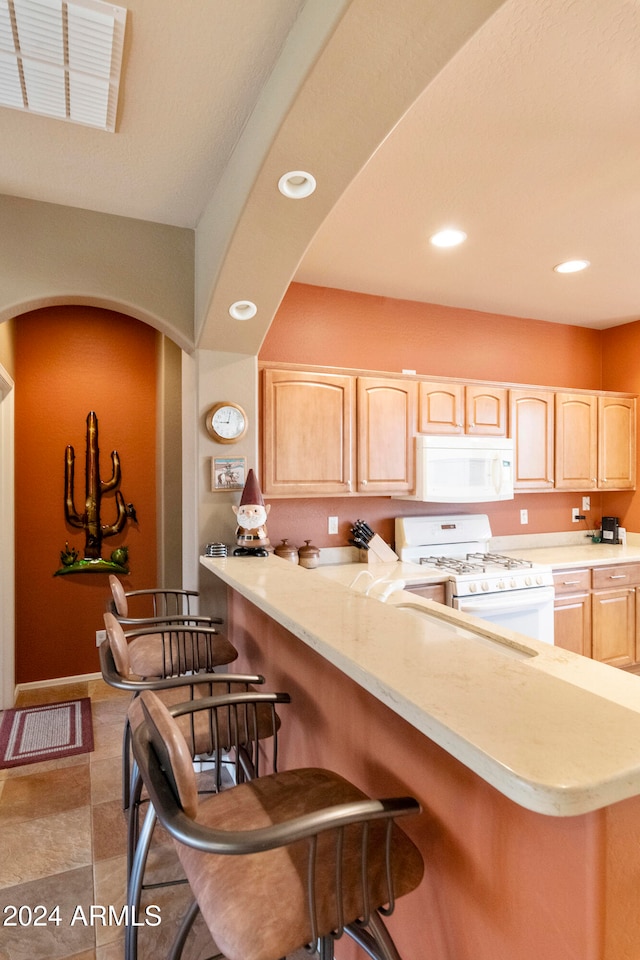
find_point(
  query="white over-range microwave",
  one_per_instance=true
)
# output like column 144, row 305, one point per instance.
column 463, row 469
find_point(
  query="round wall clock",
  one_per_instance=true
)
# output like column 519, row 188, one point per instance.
column 226, row 422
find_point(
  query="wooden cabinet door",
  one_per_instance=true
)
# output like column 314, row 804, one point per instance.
column 308, row 433
column 614, row 626
column 486, row 411
column 576, row 460
column 572, row 613
column 572, row 623
column 616, row 443
column 441, row 408
column 386, row 426
column 532, row 419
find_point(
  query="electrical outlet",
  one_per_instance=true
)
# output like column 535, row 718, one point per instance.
column 332, row 525
column 101, row 635
column 586, row 504
column 524, row 516
column 575, row 513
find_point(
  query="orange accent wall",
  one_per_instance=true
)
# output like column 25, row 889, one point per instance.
column 621, row 371
column 327, row 327
column 318, row 325
column 70, row 360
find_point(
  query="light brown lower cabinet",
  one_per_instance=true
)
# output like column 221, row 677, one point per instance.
column 596, row 613
column 432, row 591
column 572, row 615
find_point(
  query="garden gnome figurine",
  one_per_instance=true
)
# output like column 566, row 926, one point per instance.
column 251, row 514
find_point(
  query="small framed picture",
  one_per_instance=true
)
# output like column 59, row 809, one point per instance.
column 228, row 473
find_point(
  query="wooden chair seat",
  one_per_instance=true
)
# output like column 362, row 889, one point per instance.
column 207, row 734
column 168, row 651
column 175, row 651
column 281, row 861
column 256, row 905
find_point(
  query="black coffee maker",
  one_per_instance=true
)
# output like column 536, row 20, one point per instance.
column 610, row 529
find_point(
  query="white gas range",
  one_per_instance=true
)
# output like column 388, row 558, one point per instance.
column 510, row 592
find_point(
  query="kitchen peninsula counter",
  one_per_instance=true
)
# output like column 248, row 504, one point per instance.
column 525, row 759
column 479, row 693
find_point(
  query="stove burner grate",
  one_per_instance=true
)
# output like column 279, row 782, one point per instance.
column 500, row 560
column 454, row 565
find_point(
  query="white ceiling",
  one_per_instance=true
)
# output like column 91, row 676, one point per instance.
column 524, row 131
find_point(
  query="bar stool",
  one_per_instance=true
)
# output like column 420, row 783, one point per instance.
column 282, row 861
column 163, row 604
column 227, row 727
column 130, row 661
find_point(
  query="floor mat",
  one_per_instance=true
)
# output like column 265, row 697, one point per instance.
column 47, row 732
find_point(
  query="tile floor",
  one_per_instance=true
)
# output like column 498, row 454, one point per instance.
column 63, row 843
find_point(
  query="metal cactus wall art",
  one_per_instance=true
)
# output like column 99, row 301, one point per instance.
column 90, row 519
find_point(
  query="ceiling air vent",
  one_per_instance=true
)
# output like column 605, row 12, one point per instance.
column 61, row 59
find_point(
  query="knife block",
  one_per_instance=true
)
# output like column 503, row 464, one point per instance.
column 378, row 552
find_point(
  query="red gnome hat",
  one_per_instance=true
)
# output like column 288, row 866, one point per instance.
column 252, row 493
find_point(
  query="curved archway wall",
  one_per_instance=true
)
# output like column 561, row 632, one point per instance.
column 70, row 360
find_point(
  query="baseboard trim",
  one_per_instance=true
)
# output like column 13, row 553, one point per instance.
column 57, row 682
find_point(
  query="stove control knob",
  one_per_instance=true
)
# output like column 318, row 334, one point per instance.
column 500, row 584
column 485, row 585
column 513, row 584
column 527, row 580
column 473, row 587
column 539, row 580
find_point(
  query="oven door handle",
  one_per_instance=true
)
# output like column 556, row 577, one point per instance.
column 537, row 596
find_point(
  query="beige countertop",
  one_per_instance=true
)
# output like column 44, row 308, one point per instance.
column 557, row 733
column 366, row 573
column 579, row 555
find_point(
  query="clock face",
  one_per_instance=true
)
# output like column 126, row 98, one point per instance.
column 226, row 422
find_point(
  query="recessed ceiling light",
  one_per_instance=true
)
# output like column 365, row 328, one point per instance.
column 448, row 238
column 297, row 184
column 243, row 310
column 572, row 266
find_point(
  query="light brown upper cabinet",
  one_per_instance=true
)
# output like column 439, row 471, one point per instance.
column 453, row 408
column 532, row 417
column 386, row 425
column 595, row 442
column 576, row 441
column 616, row 443
column 308, row 433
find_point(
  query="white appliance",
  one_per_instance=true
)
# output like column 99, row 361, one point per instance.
column 463, row 469
column 509, row 592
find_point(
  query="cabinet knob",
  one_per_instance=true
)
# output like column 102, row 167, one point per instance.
column 363, row 483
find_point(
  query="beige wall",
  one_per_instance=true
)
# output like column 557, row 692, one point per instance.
column 52, row 255
column 7, row 356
